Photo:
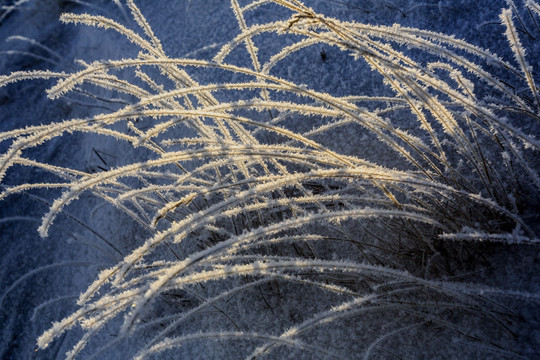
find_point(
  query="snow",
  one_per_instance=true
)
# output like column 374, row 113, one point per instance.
column 42, row 278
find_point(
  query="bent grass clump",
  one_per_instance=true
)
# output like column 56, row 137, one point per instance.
column 238, row 199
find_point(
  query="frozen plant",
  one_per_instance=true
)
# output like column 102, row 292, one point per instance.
column 243, row 200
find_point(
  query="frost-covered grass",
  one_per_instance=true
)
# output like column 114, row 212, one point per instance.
column 272, row 217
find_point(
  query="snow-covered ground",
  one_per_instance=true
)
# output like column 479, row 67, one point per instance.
column 41, row 278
